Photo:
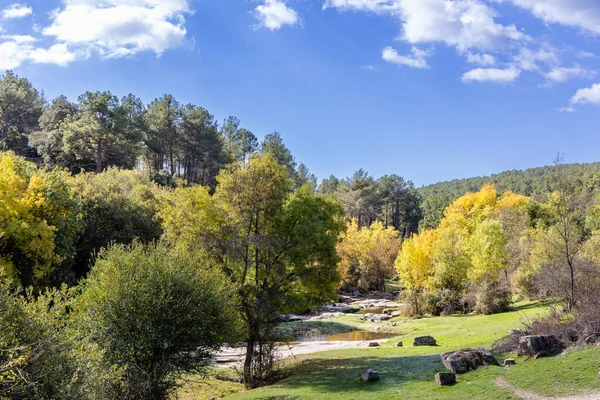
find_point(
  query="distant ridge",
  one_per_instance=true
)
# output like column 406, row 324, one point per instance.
column 533, row 182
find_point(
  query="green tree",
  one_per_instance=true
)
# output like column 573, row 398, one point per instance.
column 278, row 247
column 97, row 137
column 48, row 140
column 273, row 144
column 201, row 147
column 20, row 108
column 116, row 206
column 155, row 314
column 163, row 120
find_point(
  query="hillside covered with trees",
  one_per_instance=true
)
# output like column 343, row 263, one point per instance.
column 533, row 182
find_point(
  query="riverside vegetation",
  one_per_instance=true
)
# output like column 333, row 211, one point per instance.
column 136, row 240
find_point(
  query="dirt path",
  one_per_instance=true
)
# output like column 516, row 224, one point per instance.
column 529, row 395
column 234, row 356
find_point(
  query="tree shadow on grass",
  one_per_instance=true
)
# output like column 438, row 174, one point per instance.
column 343, row 375
column 528, row 306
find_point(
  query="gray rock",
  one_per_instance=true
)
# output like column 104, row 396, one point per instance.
column 445, row 378
column 398, row 344
column 533, row 345
column 592, row 339
column 370, row 376
column 380, row 318
column 356, row 294
column 424, row 341
column 373, row 344
column 516, row 332
column 466, row 360
column 509, row 361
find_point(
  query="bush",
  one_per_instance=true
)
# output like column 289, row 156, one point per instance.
column 36, row 361
column 442, row 302
column 491, row 298
column 154, row 313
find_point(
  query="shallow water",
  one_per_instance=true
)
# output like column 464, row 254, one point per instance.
column 373, row 310
column 345, row 337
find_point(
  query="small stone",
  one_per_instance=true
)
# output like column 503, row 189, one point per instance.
column 370, row 376
column 373, row 344
column 445, row 378
column 598, row 375
column 398, row 344
column 509, row 361
column 424, row 341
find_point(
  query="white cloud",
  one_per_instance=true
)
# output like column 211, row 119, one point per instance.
column 58, row 54
column 491, row 75
column 464, row 24
column 274, row 14
column 13, row 53
column 117, row 28
column 417, row 58
column 585, row 54
column 16, row 10
column 582, row 14
column 566, row 109
column 486, row 60
column 19, row 38
column 589, row 95
column 375, row 6
column 529, row 60
column 563, row 74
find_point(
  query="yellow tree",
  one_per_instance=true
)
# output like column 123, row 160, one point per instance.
column 415, row 265
column 38, row 220
column 368, row 255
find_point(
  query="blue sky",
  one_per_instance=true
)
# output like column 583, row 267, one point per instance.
column 428, row 89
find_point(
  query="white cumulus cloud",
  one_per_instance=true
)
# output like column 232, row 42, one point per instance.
column 491, row 75
column 16, row 10
column 464, row 24
column 564, row 74
column 116, row 28
column 582, row 14
column 530, row 60
column 589, row 95
column 417, row 58
column 274, row 14
column 19, row 49
column 486, row 60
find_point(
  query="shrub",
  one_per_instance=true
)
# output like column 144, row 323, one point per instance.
column 35, row 357
column 442, row 302
column 154, row 313
column 491, row 298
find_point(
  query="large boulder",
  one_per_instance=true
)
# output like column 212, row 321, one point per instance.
column 537, row 344
column 445, row 378
column 466, row 360
column 424, row 341
column 370, row 376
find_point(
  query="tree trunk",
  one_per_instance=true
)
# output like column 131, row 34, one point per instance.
column 248, row 379
column 99, row 156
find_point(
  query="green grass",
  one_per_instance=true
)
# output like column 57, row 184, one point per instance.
column 407, row 372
